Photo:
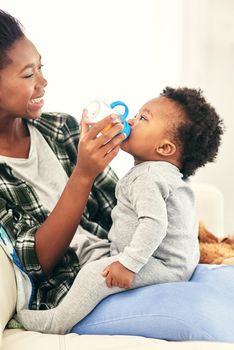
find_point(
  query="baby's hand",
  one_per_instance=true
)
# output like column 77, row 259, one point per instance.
column 118, row 275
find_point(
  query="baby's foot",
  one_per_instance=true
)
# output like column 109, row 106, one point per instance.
column 39, row 321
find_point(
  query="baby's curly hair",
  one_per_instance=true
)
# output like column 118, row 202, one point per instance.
column 200, row 132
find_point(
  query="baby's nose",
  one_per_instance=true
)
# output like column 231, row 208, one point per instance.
column 131, row 121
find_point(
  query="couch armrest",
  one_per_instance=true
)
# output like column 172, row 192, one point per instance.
column 210, row 207
column 7, row 291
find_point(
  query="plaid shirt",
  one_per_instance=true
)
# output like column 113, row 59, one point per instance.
column 21, row 212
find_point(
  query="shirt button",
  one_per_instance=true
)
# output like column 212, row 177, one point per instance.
column 17, row 216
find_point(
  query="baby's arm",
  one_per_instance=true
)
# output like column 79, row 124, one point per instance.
column 118, row 275
column 148, row 200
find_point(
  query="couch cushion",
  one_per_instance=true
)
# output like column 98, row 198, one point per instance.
column 15, row 339
column 201, row 309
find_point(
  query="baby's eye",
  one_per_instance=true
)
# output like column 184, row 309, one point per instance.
column 142, row 117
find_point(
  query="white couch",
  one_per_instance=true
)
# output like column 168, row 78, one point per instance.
column 209, row 206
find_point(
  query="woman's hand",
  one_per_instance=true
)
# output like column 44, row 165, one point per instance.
column 97, row 148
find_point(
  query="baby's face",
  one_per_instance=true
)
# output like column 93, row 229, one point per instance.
column 151, row 127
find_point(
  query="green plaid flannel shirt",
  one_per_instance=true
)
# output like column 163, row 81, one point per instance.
column 21, row 212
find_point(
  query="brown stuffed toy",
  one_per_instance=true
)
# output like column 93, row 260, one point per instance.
column 214, row 250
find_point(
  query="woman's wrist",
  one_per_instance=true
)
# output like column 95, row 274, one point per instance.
column 83, row 176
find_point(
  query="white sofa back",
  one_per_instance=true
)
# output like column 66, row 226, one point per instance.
column 209, row 206
column 7, row 291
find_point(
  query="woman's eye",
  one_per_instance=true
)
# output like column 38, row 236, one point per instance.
column 29, row 76
column 39, row 68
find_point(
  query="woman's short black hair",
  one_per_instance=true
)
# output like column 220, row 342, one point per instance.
column 11, row 30
column 200, row 132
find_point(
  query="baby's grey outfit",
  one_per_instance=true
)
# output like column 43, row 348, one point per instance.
column 154, row 234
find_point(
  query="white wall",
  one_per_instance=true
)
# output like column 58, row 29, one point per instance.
column 130, row 50
column 103, row 49
column 107, row 49
column 208, row 62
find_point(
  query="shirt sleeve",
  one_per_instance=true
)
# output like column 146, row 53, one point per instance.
column 148, row 199
column 21, row 228
column 104, row 192
column 102, row 197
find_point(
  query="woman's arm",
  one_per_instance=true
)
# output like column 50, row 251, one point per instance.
column 95, row 153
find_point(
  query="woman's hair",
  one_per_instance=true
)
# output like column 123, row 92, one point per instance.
column 10, row 31
column 200, row 132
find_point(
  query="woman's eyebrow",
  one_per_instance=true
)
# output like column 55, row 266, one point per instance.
column 30, row 65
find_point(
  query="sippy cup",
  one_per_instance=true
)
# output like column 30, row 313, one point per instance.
column 97, row 110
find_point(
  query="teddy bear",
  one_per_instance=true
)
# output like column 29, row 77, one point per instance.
column 214, row 250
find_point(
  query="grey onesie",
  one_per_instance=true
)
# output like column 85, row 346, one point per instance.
column 154, row 234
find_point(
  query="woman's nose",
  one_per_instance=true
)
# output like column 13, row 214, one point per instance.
column 41, row 82
column 44, row 82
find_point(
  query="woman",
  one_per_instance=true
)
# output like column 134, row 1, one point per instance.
column 48, row 188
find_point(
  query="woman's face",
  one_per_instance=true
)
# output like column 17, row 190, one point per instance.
column 22, row 83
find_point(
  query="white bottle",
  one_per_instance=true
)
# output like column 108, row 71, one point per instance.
column 97, row 110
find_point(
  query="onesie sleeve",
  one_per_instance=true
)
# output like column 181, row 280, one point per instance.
column 148, row 198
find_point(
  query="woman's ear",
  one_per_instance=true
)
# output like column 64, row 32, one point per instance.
column 166, row 148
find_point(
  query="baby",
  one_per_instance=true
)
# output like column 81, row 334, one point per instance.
column 154, row 236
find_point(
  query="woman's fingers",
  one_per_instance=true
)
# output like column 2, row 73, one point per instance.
column 111, row 148
column 111, row 155
column 97, row 149
column 110, row 134
column 83, row 123
column 103, row 143
column 103, row 125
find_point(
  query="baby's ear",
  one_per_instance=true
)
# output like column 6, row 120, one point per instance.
column 166, row 148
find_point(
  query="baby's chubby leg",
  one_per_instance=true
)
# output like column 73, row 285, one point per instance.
column 88, row 289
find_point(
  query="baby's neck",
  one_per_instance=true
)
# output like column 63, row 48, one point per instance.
column 161, row 159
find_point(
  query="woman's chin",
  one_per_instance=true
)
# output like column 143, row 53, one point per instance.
column 35, row 115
